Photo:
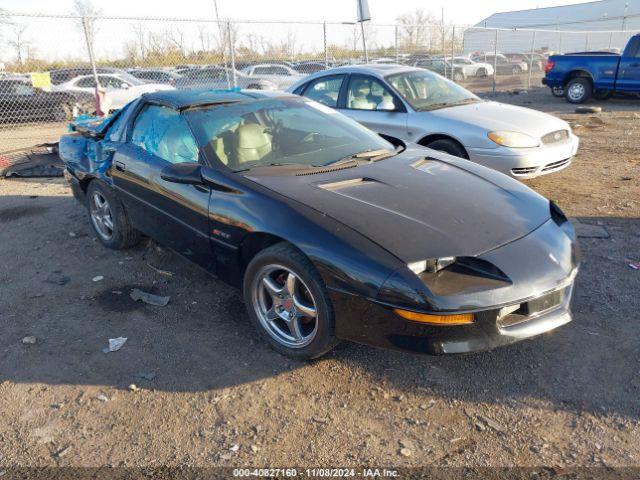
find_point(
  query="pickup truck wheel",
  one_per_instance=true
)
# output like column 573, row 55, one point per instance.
column 557, row 92
column 481, row 72
column 516, row 70
column 109, row 218
column 578, row 90
column 603, row 94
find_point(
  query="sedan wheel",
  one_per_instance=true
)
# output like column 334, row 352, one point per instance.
column 101, row 215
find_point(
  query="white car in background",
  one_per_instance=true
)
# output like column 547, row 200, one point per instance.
column 281, row 75
column 121, row 88
column 473, row 69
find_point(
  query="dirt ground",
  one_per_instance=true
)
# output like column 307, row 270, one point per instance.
column 210, row 393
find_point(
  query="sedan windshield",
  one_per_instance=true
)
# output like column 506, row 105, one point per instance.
column 425, row 90
column 282, row 131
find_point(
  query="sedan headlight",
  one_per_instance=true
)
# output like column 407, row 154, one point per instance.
column 513, row 139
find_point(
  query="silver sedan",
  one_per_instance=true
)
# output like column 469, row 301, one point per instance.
column 420, row 106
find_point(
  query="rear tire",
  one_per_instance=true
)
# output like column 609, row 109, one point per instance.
column 603, row 94
column 449, row 146
column 481, row 72
column 458, row 76
column 516, row 70
column 578, row 90
column 296, row 316
column 557, row 92
column 109, row 218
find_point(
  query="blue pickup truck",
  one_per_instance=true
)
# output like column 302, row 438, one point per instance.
column 579, row 76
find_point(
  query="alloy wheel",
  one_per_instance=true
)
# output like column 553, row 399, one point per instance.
column 101, row 218
column 285, row 306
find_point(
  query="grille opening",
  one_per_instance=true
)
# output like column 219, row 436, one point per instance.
column 532, row 308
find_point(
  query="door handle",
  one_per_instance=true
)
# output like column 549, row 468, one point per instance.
column 120, row 166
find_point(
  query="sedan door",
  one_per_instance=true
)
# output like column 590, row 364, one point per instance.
column 370, row 102
column 174, row 214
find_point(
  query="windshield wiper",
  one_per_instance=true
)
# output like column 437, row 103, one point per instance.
column 371, row 155
column 264, row 165
column 435, row 106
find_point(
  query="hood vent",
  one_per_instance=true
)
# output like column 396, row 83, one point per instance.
column 352, row 182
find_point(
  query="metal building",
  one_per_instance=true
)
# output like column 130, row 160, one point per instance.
column 599, row 25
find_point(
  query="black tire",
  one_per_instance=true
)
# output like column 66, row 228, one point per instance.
column 557, row 91
column 123, row 235
column 578, row 90
column 286, row 255
column 516, row 70
column 481, row 72
column 254, row 86
column 449, row 146
column 602, row 94
column 458, row 76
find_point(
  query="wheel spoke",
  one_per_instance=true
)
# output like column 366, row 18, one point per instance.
column 294, row 328
column 104, row 208
column 290, row 286
column 106, row 220
column 272, row 287
column 304, row 310
column 271, row 314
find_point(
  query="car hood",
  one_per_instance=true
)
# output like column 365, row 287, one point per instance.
column 420, row 204
column 492, row 116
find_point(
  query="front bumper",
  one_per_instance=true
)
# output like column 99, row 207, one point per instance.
column 527, row 162
column 380, row 326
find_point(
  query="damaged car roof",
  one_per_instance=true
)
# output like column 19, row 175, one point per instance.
column 181, row 99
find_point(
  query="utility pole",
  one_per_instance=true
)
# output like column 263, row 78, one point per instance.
column 221, row 37
column 363, row 16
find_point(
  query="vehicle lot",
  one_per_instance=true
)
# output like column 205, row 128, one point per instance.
column 566, row 399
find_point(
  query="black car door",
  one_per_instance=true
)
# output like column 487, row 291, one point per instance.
column 174, row 214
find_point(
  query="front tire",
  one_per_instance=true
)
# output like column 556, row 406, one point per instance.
column 458, row 76
column 288, row 303
column 449, row 146
column 108, row 217
column 578, row 90
column 557, row 92
column 481, row 73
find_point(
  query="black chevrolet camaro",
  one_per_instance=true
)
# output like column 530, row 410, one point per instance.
column 331, row 231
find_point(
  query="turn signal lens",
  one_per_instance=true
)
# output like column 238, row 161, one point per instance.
column 459, row 319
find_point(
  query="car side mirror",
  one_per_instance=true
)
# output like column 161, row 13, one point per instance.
column 387, row 106
column 188, row 173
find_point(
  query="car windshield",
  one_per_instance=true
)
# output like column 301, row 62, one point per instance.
column 129, row 78
column 425, row 90
column 282, row 131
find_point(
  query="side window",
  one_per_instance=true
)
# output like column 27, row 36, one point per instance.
column 325, row 90
column 280, row 71
column 262, row 71
column 86, row 82
column 164, row 132
column 367, row 93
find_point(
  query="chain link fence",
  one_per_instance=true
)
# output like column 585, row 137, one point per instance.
column 51, row 65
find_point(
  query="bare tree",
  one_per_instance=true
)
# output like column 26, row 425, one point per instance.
column 416, row 29
column 205, row 37
column 87, row 21
column 140, row 43
column 19, row 42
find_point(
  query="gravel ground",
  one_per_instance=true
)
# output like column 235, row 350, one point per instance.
column 210, row 393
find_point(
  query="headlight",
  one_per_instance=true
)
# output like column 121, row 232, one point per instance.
column 431, row 265
column 513, row 139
